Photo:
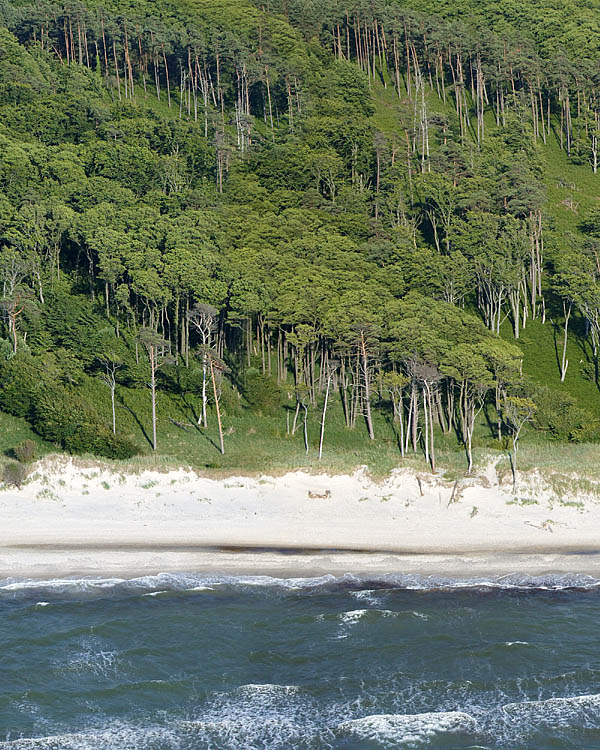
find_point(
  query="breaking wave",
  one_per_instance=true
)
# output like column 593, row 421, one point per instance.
column 286, row 716
column 409, row 730
column 581, row 711
column 118, row 738
column 367, row 589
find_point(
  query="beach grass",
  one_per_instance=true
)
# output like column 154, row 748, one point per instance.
column 257, row 444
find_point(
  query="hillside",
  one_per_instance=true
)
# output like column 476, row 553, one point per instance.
column 378, row 221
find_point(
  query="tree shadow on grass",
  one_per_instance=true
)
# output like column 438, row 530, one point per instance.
column 388, row 419
column 555, row 337
column 592, row 370
column 200, row 430
column 491, row 423
column 207, row 437
column 193, row 415
column 121, row 400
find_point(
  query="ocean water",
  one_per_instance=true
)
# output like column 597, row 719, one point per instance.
column 183, row 662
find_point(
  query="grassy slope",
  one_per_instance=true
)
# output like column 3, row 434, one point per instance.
column 541, row 344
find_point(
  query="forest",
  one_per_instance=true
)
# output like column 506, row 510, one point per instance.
column 355, row 227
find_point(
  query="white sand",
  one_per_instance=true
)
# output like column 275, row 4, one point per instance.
column 69, row 520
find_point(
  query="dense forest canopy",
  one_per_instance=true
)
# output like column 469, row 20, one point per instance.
column 260, row 203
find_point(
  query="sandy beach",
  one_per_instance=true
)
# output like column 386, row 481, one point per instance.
column 69, row 520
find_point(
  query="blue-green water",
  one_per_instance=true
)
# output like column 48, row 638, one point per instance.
column 180, row 662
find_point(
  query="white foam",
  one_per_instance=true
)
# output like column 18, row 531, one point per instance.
column 255, row 715
column 244, row 733
column 118, row 738
column 368, row 595
column 61, row 583
column 411, row 730
column 183, row 582
column 268, row 687
column 54, row 742
column 353, row 616
column 92, row 660
column 579, row 711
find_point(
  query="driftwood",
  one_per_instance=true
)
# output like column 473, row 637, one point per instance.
column 453, row 493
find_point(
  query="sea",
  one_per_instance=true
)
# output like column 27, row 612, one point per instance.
column 184, row 662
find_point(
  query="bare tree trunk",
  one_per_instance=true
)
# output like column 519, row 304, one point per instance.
column 401, row 420
column 167, row 75
column 323, row 416
column 431, row 435
column 270, row 102
column 367, row 389
column 112, row 399
column 153, row 392
column 305, row 428
column 564, row 361
column 204, row 398
column 212, row 375
column 426, row 417
column 295, row 422
column 117, row 70
column 415, row 417
column 13, row 327
column 469, row 450
column 513, row 461
column 428, row 407
column 409, row 421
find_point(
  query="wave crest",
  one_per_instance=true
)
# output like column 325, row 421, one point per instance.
column 365, row 587
column 390, row 730
column 127, row 738
column 580, row 711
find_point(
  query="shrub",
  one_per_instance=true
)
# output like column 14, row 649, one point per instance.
column 229, row 399
column 261, row 391
column 178, row 379
column 62, row 416
column 58, row 414
column 135, row 375
column 586, row 430
column 99, row 440
column 19, row 379
column 25, row 451
column 30, row 387
column 15, row 474
column 558, row 414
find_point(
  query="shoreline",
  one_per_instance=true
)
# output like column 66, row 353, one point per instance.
column 69, row 521
column 46, row 562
